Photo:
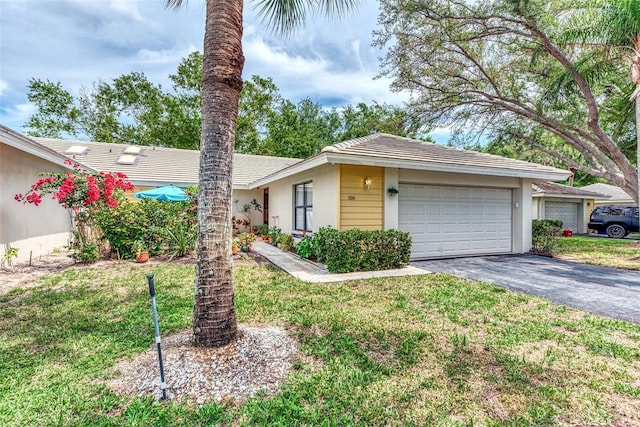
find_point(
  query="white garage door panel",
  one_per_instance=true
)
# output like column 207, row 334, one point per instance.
column 452, row 221
column 564, row 211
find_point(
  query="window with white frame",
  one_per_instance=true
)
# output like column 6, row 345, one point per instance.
column 303, row 201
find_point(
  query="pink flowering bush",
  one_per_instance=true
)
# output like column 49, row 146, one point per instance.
column 78, row 189
column 82, row 192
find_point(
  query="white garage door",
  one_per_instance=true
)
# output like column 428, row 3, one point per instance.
column 453, row 221
column 565, row 212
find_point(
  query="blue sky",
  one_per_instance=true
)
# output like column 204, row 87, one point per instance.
column 78, row 42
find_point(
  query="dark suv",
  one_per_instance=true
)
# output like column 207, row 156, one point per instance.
column 616, row 221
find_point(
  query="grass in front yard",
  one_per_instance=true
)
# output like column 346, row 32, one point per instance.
column 616, row 253
column 422, row 350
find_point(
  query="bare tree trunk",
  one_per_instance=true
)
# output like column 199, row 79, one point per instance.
column 214, row 318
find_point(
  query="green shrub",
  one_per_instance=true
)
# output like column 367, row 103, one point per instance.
column 123, row 226
column 87, row 254
column 274, row 234
column 246, row 239
column 263, row 229
column 307, row 247
column 359, row 250
column 545, row 235
column 163, row 227
column 181, row 239
column 286, row 241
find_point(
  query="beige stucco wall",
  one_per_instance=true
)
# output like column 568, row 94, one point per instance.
column 242, row 197
column 325, row 198
column 521, row 197
column 34, row 230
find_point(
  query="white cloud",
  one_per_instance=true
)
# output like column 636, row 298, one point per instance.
column 16, row 116
column 168, row 56
column 3, row 86
column 78, row 42
column 128, row 8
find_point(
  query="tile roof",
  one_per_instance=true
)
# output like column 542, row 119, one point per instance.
column 158, row 166
column 404, row 153
column 381, row 145
column 544, row 188
column 616, row 194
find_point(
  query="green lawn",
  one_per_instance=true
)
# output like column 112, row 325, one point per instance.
column 422, row 350
column 617, row 253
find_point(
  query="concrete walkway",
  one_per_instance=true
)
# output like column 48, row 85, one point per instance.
column 606, row 291
column 313, row 273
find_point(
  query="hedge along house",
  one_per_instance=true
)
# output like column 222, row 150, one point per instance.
column 34, row 231
column 570, row 205
column 149, row 167
column 452, row 202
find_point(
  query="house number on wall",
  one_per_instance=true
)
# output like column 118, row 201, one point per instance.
column 351, row 198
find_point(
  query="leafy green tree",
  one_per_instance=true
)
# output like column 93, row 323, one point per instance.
column 267, row 124
column 57, row 112
column 299, row 130
column 496, row 66
column 214, row 319
column 153, row 117
column 259, row 100
column 364, row 119
column 613, row 27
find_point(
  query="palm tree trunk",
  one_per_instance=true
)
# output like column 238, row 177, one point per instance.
column 638, row 145
column 214, row 318
column 635, row 77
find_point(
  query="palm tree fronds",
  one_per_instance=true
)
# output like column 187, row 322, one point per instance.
column 286, row 16
column 175, row 4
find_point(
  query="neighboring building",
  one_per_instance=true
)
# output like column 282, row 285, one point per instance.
column 34, row 231
column 617, row 196
column 568, row 204
column 150, row 167
column 452, row 202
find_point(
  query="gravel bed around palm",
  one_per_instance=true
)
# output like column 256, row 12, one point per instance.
column 258, row 361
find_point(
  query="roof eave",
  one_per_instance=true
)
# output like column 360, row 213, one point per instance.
column 24, row 143
column 310, row 163
column 556, row 175
column 331, row 157
column 566, row 196
column 153, row 183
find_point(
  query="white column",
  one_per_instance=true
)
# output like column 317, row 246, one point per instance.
column 522, row 217
column 390, row 202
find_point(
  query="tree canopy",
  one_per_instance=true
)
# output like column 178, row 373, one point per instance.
column 131, row 109
column 508, row 69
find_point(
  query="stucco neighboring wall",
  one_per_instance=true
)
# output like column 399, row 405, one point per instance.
column 245, row 197
column 34, row 230
column 584, row 209
column 326, row 187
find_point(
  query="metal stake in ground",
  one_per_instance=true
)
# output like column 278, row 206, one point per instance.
column 152, row 292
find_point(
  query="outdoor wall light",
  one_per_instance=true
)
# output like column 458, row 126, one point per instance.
column 367, row 183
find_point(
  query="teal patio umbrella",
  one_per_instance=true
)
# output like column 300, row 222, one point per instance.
column 169, row 193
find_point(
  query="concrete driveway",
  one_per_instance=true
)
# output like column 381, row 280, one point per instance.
column 601, row 290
